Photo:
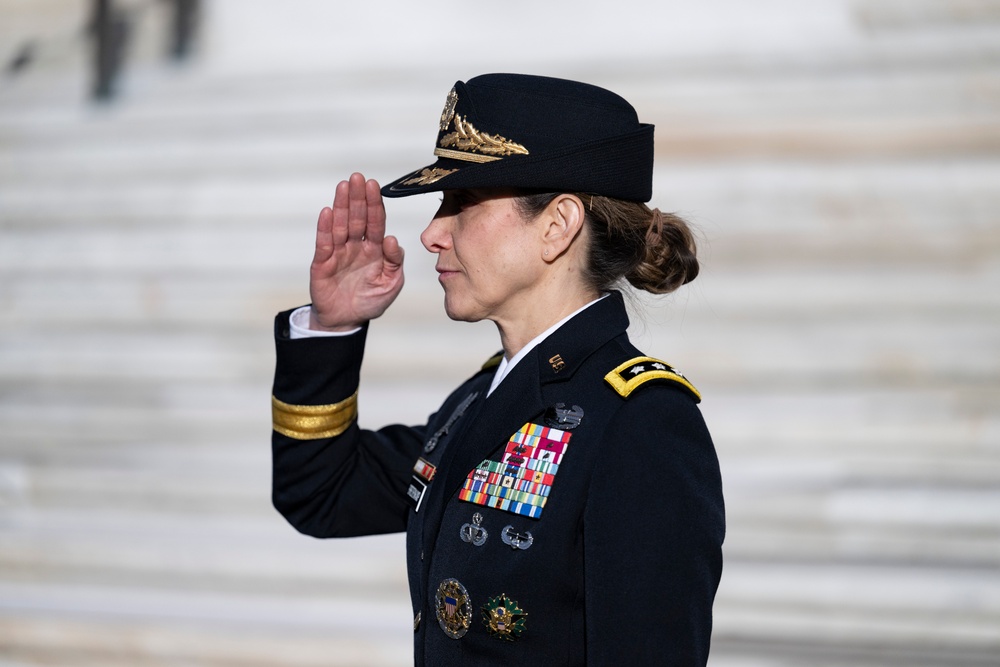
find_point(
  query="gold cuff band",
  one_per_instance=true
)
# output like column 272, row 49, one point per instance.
column 312, row 422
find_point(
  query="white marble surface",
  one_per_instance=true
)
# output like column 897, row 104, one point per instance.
column 839, row 157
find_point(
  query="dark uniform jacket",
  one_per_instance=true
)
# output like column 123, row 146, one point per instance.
column 574, row 516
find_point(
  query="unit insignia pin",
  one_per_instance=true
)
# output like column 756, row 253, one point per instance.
column 473, row 533
column 558, row 416
column 503, row 618
column 453, row 608
column 516, row 540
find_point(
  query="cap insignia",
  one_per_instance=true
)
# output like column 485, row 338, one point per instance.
column 449, row 110
column 428, row 176
column 469, row 141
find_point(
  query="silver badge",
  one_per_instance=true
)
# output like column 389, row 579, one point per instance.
column 563, row 418
column 474, row 533
column 516, row 540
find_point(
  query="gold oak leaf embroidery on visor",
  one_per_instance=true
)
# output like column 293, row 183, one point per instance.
column 428, row 176
column 469, row 141
column 311, row 422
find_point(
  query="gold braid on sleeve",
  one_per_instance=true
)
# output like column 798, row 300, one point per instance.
column 312, row 422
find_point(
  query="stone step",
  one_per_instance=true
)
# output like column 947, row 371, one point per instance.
column 875, row 605
column 766, row 421
column 793, row 213
column 899, row 352
column 176, row 548
column 136, row 299
column 843, row 175
column 196, row 568
column 850, row 50
column 895, row 609
column 857, row 516
column 48, row 460
column 852, row 422
column 92, row 625
column 797, row 114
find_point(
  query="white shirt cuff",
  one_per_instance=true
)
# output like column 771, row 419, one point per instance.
column 298, row 326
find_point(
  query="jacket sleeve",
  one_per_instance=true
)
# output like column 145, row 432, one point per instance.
column 331, row 478
column 653, row 530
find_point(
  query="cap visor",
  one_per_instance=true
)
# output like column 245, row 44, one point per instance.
column 432, row 178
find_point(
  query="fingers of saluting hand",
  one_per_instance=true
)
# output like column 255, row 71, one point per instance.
column 357, row 216
column 324, row 236
column 375, row 230
column 341, row 213
column 358, row 212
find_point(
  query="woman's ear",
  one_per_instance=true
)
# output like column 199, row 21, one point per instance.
column 562, row 221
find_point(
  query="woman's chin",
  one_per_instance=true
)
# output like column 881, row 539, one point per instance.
column 461, row 312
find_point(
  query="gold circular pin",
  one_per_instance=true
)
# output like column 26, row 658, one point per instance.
column 453, row 608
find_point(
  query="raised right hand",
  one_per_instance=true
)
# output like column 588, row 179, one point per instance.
column 357, row 271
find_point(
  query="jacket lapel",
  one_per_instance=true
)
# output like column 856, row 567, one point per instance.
column 517, row 400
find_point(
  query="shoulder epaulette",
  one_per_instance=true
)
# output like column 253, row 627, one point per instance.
column 638, row 371
column 493, row 361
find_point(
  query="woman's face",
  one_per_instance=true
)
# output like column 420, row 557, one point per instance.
column 489, row 258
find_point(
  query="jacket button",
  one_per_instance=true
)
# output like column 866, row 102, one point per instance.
column 416, row 621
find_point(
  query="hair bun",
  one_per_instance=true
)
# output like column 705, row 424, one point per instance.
column 670, row 256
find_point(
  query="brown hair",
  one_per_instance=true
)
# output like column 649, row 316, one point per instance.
column 654, row 251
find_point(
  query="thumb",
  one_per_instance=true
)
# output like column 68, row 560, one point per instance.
column 392, row 253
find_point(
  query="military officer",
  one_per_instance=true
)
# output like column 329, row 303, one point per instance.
column 564, row 504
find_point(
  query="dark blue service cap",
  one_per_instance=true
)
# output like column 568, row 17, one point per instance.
column 536, row 132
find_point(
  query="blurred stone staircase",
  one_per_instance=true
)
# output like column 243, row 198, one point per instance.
column 844, row 333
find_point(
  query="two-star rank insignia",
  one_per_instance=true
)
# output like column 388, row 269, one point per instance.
column 635, row 372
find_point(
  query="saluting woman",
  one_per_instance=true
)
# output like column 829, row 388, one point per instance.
column 564, row 505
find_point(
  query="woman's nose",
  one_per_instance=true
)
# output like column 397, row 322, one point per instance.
column 435, row 237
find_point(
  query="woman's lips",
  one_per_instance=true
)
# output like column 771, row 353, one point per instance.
column 445, row 273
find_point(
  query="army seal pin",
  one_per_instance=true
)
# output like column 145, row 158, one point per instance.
column 503, row 618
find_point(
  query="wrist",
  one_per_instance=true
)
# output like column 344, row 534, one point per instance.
column 316, row 325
